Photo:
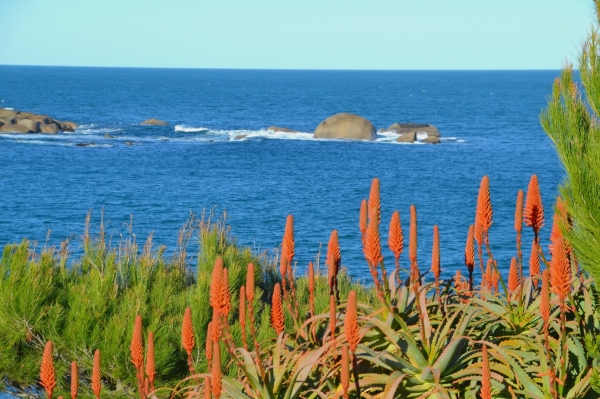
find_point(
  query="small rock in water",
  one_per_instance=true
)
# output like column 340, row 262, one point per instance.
column 84, row 144
column 281, row 129
column 109, row 136
column 432, row 140
column 129, row 143
column 155, row 122
column 240, row 137
column 409, row 137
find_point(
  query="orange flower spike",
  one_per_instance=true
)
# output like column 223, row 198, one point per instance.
column 457, row 279
column 513, row 276
column 470, row 251
column 545, row 298
column 435, row 254
column 534, row 209
column 484, row 212
column 412, row 247
column 375, row 202
column 534, row 263
column 250, row 283
column 351, row 323
column 150, row 363
column 486, row 385
column 225, row 294
column 209, row 342
column 242, row 312
column 47, row 374
column 277, row 316
column 187, row 332
column 362, row 223
column 137, row 345
column 519, row 213
column 373, row 245
column 487, row 276
column 495, row 277
column 395, row 238
column 96, row 385
column 74, row 380
column 334, row 257
column 215, row 372
column 287, row 247
column 560, row 271
column 207, row 390
column 215, row 326
column 345, row 372
column 215, row 285
column 332, row 316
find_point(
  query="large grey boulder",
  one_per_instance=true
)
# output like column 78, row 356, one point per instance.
column 402, row 128
column 155, row 122
column 14, row 128
column 409, row 137
column 281, row 129
column 32, row 126
column 50, row 128
column 7, row 113
column 67, row 126
column 346, row 126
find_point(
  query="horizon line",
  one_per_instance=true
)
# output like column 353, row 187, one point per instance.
column 288, row 69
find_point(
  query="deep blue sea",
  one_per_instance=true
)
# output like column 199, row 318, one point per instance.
column 488, row 120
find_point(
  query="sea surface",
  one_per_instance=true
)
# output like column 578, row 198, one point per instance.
column 489, row 121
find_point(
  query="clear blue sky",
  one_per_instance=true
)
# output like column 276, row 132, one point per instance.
column 307, row 34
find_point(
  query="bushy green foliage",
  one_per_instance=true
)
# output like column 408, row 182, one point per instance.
column 90, row 302
column 571, row 121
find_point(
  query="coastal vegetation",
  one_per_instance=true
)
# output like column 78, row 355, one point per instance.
column 120, row 320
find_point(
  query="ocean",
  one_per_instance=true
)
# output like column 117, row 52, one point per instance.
column 488, row 121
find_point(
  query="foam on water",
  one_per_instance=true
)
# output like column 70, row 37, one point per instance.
column 189, row 129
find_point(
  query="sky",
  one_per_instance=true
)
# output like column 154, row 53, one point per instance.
column 285, row 34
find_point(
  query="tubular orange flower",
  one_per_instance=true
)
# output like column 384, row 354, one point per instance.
column 225, row 294
column 486, row 386
column 215, row 324
column 495, row 276
column 96, row 386
column 277, row 317
column 351, row 322
column 287, row 247
column 74, row 380
column 484, row 213
column 137, row 345
column 207, row 392
column 150, row 364
column 545, row 298
column 519, row 213
column 486, row 279
column 209, row 342
column 435, row 254
column 375, row 202
column 560, row 271
column 334, row 259
column 362, row 223
column 311, row 287
column 470, row 254
column 372, row 246
column 345, row 372
column 242, row 312
column 215, row 371
column 534, row 209
column 457, row 279
column 47, row 375
column 250, row 283
column 187, row 332
column 412, row 246
column 534, row 263
column 513, row 276
column 395, row 238
column 215, row 285
column 332, row 316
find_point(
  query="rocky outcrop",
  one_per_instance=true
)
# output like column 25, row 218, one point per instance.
column 432, row 140
column 240, row 137
column 409, row 137
column 281, row 129
column 402, row 128
column 346, row 126
column 13, row 121
column 155, row 122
